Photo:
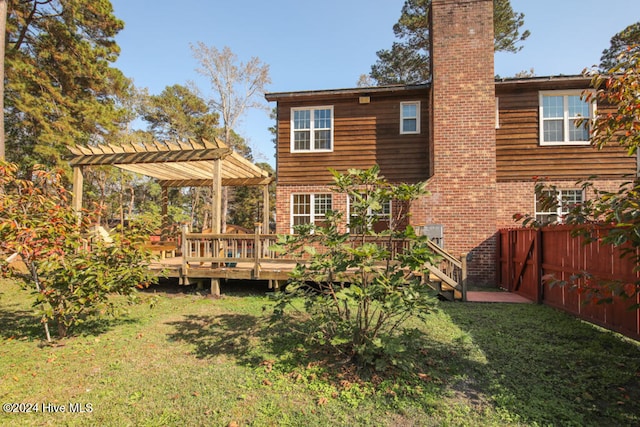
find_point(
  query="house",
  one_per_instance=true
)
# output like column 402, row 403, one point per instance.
column 478, row 141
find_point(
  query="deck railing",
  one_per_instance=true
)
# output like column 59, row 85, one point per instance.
column 230, row 249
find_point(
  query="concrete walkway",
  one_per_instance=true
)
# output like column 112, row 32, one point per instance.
column 497, row 296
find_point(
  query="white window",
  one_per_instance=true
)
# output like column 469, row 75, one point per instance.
column 382, row 218
column 410, row 117
column 552, row 206
column 560, row 112
column 311, row 129
column 309, row 208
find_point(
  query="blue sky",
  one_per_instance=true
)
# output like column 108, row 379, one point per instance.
column 329, row 44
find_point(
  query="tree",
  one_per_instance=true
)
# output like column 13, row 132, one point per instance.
column 236, row 87
column 180, row 114
column 408, row 60
column 627, row 39
column 612, row 215
column 72, row 275
column 363, row 320
column 245, row 209
column 3, row 33
column 60, row 88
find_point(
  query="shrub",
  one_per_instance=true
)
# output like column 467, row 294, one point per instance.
column 71, row 274
column 359, row 290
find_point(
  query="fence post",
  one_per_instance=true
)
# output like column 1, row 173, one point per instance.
column 464, row 276
column 537, row 261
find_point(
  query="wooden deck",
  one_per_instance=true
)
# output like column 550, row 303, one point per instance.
column 212, row 257
column 243, row 270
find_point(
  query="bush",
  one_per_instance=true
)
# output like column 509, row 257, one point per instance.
column 71, row 274
column 357, row 290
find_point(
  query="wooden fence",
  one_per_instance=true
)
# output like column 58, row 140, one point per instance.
column 531, row 260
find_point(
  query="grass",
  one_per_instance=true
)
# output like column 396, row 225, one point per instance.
column 192, row 360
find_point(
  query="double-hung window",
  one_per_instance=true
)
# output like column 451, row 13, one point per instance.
column 553, row 205
column 561, row 113
column 309, row 208
column 410, row 117
column 378, row 219
column 312, row 129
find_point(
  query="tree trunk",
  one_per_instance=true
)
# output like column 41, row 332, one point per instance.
column 3, row 31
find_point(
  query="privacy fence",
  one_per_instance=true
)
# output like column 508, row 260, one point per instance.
column 530, row 261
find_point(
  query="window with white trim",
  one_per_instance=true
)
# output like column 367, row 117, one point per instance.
column 410, row 117
column 382, row 216
column 553, row 205
column 309, row 208
column 311, row 129
column 560, row 113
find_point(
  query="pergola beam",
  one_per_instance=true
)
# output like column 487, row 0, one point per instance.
column 177, row 164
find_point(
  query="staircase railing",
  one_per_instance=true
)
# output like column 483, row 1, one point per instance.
column 450, row 270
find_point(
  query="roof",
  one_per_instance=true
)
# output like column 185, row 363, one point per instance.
column 276, row 96
column 179, row 164
column 390, row 89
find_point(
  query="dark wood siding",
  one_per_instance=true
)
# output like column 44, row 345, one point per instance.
column 364, row 135
column 519, row 155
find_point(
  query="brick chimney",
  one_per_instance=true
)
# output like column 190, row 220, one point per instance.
column 463, row 184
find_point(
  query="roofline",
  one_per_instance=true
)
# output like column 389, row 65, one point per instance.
column 538, row 79
column 275, row 96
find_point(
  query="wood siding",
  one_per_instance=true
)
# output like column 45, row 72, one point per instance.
column 519, row 155
column 364, row 135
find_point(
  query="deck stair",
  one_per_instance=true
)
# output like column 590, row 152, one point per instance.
column 448, row 276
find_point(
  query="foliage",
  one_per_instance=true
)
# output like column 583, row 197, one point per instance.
column 245, row 206
column 407, row 62
column 237, row 86
column 358, row 293
column 72, row 276
column 612, row 217
column 180, row 114
column 60, row 88
column 626, row 40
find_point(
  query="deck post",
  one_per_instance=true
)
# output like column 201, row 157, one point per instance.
column 257, row 250
column 185, row 267
column 463, row 260
column 265, row 209
column 215, row 287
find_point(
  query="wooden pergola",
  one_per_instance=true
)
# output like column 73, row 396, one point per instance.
column 177, row 164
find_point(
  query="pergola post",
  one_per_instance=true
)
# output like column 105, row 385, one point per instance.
column 265, row 209
column 216, row 196
column 78, row 180
column 164, row 195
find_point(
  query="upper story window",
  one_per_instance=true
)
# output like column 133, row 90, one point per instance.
column 410, row 117
column 312, row 129
column 560, row 112
column 552, row 206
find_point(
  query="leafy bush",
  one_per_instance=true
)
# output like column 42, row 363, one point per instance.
column 71, row 273
column 359, row 290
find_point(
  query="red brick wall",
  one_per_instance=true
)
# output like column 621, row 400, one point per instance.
column 283, row 203
column 518, row 197
column 463, row 124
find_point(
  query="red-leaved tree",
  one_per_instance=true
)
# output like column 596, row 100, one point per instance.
column 49, row 245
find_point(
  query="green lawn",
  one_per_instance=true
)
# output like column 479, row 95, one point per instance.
column 194, row 361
